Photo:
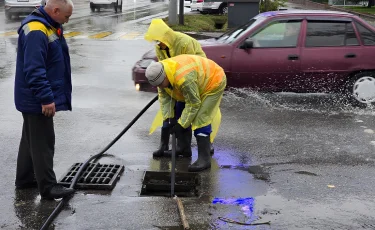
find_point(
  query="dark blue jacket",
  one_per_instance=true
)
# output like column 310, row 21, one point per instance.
column 43, row 73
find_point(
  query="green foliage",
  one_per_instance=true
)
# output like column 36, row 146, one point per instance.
column 202, row 23
column 361, row 9
column 325, row 1
column 271, row 5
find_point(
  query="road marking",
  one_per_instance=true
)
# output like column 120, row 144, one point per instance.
column 100, row 35
column 115, row 36
column 130, row 36
column 72, row 34
column 370, row 131
column 10, row 33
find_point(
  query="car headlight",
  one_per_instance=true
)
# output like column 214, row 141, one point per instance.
column 145, row 63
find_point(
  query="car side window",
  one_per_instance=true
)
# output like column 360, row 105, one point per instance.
column 278, row 34
column 330, row 33
column 367, row 36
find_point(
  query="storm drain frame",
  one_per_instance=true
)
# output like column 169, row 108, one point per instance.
column 158, row 183
column 95, row 176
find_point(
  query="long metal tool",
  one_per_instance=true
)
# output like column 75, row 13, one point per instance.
column 173, row 169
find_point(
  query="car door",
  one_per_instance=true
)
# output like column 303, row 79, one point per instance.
column 274, row 57
column 367, row 37
column 331, row 51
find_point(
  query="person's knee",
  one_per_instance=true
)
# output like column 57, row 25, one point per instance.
column 203, row 131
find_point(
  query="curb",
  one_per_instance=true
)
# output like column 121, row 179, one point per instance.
column 197, row 35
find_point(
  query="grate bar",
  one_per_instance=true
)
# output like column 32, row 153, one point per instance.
column 92, row 171
column 95, row 176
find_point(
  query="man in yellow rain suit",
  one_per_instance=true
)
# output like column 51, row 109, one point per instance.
column 199, row 83
column 171, row 44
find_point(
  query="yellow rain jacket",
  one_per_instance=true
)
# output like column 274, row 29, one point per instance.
column 178, row 43
column 200, row 83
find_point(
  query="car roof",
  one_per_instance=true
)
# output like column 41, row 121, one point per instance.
column 305, row 12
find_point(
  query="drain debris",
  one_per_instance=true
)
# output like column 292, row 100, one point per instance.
column 159, row 184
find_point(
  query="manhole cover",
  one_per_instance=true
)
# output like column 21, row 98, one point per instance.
column 95, row 176
column 159, row 184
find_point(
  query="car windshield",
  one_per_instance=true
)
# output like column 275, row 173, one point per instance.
column 232, row 35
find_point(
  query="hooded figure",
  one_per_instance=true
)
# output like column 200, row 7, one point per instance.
column 199, row 83
column 170, row 44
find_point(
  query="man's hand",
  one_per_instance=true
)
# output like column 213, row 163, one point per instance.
column 49, row 110
column 177, row 129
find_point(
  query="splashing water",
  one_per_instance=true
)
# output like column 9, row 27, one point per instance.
column 332, row 104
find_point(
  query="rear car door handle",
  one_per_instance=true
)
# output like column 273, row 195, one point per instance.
column 351, row 55
column 293, row 57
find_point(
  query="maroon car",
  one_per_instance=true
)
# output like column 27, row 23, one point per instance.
column 293, row 51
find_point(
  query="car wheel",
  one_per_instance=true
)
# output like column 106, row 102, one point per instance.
column 8, row 15
column 360, row 89
column 116, row 6
column 92, row 7
column 223, row 9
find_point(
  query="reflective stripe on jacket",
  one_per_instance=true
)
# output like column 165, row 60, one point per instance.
column 197, row 81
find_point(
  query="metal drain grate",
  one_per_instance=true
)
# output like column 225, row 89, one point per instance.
column 159, row 184
column 95, row 176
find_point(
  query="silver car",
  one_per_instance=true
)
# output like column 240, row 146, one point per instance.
column 21, row 7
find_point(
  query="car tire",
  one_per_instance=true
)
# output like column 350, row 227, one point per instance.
column 8, row 16
column 360, row 89
column 116, row 6
column 223, row 9
column 92, row 7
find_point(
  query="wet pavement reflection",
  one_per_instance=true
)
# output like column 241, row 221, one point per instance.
column 300, row 161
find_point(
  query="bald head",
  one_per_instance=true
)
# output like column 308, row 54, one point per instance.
column 59, row 10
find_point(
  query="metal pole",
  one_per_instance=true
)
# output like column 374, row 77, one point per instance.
column 172, row 13
column 173, row 173
column 181, row 12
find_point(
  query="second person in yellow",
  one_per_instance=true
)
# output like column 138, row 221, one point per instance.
column 169, row 44
column 199, row 83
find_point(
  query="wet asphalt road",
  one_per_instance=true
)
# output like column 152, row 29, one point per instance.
column 299, row 161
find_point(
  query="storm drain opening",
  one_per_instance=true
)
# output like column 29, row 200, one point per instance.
column 159, row 184
column 95, row 176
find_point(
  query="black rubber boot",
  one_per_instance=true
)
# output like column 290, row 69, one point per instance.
column 212, row 150
column 164, row 142
column 204, row 156
column 183, row 147
column 57, row 192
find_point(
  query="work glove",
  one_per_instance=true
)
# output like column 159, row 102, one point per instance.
column 178, row 130
column 170, row 121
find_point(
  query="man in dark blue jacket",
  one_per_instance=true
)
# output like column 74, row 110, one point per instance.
column 43, row 86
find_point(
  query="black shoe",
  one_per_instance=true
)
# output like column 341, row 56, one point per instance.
column 164, row 142
column 57, row 192
column 32, row 184
column 204, row 158
column 183, row 147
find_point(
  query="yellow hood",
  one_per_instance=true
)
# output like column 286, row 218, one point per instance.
column 159, row 31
